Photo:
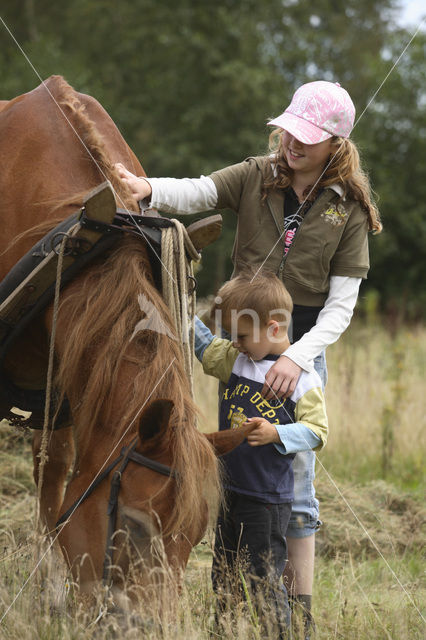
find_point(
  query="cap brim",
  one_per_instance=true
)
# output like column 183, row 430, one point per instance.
column 301, row 129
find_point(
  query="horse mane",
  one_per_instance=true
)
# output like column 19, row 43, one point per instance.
column 74, row 108
column 101, row 315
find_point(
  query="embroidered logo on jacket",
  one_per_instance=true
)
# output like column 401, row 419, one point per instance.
column 335, row 216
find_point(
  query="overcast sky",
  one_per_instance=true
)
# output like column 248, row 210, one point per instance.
column 412, row 13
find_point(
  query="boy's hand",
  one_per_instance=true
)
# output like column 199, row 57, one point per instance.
column 263, row 433
column 139, row 187
column 281, row 379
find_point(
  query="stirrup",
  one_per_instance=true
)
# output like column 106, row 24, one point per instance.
column 204, row 232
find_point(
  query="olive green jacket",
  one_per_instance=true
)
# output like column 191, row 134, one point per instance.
column 331, row 240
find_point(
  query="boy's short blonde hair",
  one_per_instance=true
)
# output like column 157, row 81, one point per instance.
column 261, row 292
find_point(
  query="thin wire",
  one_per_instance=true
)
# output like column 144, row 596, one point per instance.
column 367, row 599
column 371, row 539
column 393, row 67
column 131, row 215
column 333, row 156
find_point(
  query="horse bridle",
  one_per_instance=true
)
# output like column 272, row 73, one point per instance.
column 127, row 454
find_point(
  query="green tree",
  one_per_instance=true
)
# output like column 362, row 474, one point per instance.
column 192, row 83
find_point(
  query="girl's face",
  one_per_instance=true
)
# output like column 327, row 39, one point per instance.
column 306, row 158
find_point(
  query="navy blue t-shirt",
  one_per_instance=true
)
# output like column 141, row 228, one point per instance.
column 261, row 472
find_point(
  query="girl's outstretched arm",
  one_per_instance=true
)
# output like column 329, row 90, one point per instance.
column 172, row 195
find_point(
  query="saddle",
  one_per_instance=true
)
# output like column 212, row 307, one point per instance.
column 29, row 287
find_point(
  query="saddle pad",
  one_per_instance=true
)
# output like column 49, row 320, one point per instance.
column 29, row 287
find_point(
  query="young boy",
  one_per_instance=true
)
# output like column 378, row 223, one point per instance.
column 258, row 480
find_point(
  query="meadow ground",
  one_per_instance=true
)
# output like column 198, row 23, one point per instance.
column 370, row 580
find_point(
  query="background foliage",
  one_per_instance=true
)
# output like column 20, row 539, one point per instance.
column 191, row 84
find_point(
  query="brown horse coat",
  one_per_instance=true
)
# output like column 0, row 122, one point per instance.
column 57, row 145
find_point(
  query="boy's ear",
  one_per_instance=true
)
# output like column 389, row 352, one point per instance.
column 273, row 327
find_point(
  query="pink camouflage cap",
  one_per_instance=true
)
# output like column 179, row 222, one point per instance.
column 318, row 111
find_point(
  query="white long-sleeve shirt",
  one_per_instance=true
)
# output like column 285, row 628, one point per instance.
column 194, row 195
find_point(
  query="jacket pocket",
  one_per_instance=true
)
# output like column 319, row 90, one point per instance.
column 306, row 265
column 246, row 239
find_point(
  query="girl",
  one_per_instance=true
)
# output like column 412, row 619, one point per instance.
column 304, row 212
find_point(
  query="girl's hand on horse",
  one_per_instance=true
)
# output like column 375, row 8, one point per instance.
column 139, row 187
column 263, row 433
column 281, row 379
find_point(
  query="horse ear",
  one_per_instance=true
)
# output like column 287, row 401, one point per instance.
column 225, row 441
column 155, row 419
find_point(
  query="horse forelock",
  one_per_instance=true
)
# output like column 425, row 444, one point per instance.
column 109, row 376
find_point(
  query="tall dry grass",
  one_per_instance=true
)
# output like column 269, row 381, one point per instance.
column 369, row 580
column 377, row 405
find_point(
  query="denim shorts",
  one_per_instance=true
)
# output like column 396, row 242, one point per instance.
column 304, row 519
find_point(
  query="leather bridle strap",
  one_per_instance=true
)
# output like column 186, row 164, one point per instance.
column 151, row 464
column 92, row 486
column 127, row 454
column 112, row 519
column 143, row 461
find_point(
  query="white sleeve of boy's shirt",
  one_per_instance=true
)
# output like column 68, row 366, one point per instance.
column 183, row 195
column 332, row 321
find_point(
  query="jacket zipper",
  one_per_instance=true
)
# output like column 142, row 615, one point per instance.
column 284, row 258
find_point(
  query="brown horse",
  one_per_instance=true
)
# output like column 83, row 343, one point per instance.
column 56, row 145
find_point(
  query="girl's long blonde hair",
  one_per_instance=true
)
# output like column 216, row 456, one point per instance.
column 343, row 168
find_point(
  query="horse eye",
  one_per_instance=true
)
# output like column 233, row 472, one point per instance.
column 140, row 526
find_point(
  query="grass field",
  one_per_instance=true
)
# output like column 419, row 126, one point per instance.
column 370, row 581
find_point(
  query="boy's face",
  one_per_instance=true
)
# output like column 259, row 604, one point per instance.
column 251, row 339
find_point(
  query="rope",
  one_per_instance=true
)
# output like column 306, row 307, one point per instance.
column 42, row 454
column 178, row 285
